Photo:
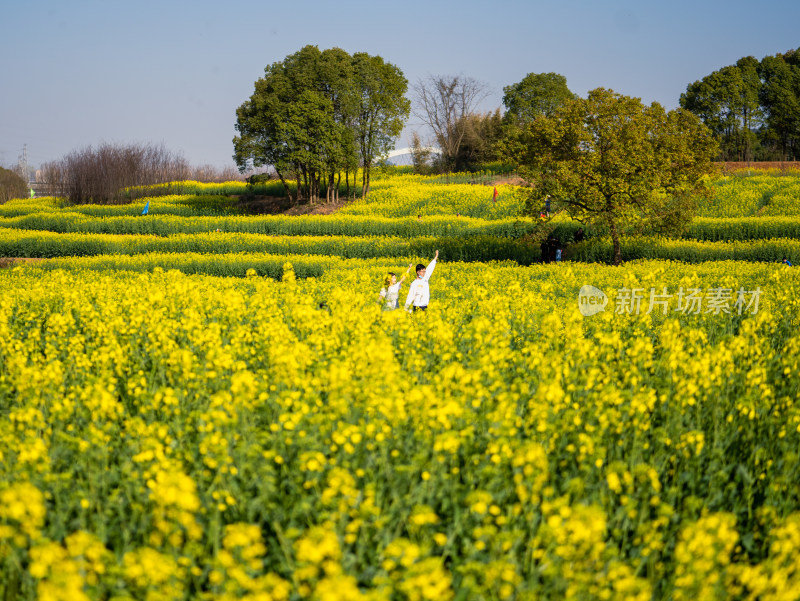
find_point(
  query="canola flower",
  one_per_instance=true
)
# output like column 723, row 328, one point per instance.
column 174, row 436
column 166, row 433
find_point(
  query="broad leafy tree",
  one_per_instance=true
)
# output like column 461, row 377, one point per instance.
column 727, row 101
column 537, row 94
column 780, row 96
column 381, row 108
column 317, row 114
column 616, row 163
column 483, row 134
column 753, row 107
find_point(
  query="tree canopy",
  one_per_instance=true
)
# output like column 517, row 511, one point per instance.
column 753, row 107
column 614, row 162
column 317, row 114
column 537, row 94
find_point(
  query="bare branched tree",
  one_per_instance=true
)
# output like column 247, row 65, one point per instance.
column 210, row 173
column 114, row 173
column 52, row 179
column 443, row 102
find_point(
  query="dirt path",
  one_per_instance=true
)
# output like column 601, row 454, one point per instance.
column 8, row 262
column 279, row 205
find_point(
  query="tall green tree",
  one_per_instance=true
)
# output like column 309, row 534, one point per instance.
column 727, row 101
column 381, row 109
column 617, row 163
column 483, row 134
column 537, row 94
column 780, row 96
column 753, row 107
column 318, row 113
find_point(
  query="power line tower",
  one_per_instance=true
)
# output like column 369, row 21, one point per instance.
column 23, row 164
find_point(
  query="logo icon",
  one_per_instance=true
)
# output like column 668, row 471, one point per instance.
column 591, row 301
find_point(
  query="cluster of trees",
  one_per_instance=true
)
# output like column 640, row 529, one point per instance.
column 467, row 138
column 318, row 114
column 608, row 159
column 11, row 185
column 110, row 173
column 752, row 106
column 615, row 163
column 321, row 114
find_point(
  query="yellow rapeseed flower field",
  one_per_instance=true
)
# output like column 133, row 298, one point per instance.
column 220, row 415
column 173, row 436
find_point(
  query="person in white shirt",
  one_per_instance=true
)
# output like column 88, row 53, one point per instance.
column 390, row 293
column 419, row 294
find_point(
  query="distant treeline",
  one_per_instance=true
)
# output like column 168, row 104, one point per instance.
column 752, row 106
column 119, row 173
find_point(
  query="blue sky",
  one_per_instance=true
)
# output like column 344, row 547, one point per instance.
column 87, row 71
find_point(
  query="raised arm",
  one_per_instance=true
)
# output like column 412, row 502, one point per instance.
column 405, row 275
column 430, row 267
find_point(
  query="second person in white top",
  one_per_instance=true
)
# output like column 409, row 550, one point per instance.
column 419, row 294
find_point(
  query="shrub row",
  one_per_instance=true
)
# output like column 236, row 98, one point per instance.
column 306, row 225
column 18, row 243
column 689, row 251
column 702, row 228
column 227, row 265
column 183, row 205
column 743, row 228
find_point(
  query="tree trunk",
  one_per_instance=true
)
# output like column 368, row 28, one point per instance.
column 365, row 183
column 347, row 183
column 305, row 182
column 615, row 240
column 285, row 186
column 336, row 189
column 364, row 172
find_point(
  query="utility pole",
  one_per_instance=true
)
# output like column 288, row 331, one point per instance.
column 23, row 164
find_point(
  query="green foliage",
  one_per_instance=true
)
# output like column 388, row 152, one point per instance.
column 727, row 101
column 688, row 251
column 481, row 141
column 743, row 228
column 780, row 97
column 752, row 107
column 537, row 94
column 21, row 243
column 318, row 113
column 616, row 163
